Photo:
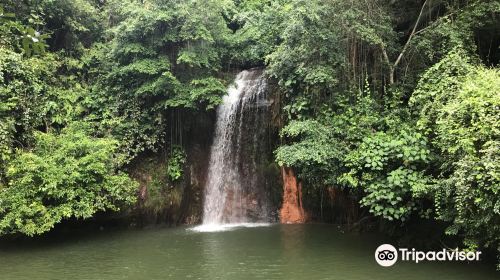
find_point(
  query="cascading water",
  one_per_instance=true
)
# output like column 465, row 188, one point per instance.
column 235, row 188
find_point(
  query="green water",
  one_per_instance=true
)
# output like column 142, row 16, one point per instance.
column 273, row 252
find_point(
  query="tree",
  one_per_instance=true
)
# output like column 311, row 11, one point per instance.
column 164, row 58
column 458, row 105
column 67, row 175
column 20, row 37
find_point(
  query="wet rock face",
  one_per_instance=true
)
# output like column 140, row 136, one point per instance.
column 160, row 200
column 292, row 211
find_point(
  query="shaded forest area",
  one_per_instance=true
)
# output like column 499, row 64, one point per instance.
column 392, row 104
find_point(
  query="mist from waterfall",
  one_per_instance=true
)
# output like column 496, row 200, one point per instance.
column 234, row 190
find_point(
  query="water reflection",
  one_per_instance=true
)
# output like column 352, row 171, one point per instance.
column 274, row 252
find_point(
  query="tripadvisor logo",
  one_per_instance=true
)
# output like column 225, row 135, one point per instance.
column 387, row 255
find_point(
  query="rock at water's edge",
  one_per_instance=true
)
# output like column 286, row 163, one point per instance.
column 291, row 211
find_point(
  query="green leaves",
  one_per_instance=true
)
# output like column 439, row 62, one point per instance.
column 297, row 109
column 20, row 37
column 459, row 109
column 67, row 175
column 175, row 164
column 313, row 148
column 390, row 169
column 32, row 41
column 163, row 56
column 22, row 96
column 207, row 92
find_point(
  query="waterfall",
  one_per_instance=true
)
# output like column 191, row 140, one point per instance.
column 235, row 189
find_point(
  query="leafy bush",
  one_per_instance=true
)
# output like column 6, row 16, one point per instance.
column 389, row 167
column 19, row 37
column 317, row 147
column 34, row 96
column 175, row 164
column 459, row 106
column 163, row 56
column 66, row 175
column 21, row 102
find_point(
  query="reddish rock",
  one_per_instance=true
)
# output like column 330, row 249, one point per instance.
column 291, row 211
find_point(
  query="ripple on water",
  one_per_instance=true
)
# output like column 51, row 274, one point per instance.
column 226, row 227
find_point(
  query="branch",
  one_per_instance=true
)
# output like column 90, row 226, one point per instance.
column 437, row 21
column 388, row 62
column 386, row 57
column 412, row 34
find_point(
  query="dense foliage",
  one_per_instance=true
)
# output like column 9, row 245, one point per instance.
column 404, row 118
column 70, row 174
column 394, row 102
column 458, row 110
column 163, row 55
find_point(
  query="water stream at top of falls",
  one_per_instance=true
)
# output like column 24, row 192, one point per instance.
column 234, row 192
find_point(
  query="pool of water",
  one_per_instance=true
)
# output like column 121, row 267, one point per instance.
column 266, row 252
